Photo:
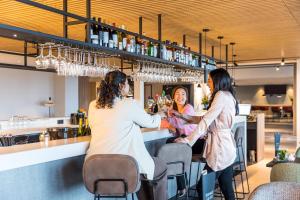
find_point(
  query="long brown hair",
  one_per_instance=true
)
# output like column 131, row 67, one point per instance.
column 175, row 107
column 110, row 89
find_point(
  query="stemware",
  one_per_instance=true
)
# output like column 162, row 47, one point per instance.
column 40, row 61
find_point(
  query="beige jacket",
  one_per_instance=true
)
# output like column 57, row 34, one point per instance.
column 220, row 150
column 117, row 131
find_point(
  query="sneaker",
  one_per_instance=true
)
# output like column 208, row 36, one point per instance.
column 181, row 193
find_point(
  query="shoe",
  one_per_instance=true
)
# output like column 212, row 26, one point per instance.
column 181, row 193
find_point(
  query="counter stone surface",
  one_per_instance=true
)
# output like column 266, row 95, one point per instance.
column 35, row 153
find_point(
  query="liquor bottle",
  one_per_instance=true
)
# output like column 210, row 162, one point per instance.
column 168, row 51
column 110, row 39
column 87, row 129
column 100, row 33
column 80, row 128
column 94, row 32
column 128, row 47
column 155, row 50
column 120, row 42
column 124, row 40
column 105, row 33
column 138, row 45
column 132, row 44
column 150, row 49
column 114, row 34
column 144, row 48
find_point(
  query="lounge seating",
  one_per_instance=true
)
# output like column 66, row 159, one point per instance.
column 297, row 154
column 276, row 191
column 288, row 172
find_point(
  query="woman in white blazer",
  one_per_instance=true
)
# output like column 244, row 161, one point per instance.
column 115, row 124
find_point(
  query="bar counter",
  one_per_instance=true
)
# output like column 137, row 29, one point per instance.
column 53, row 170
column 41, row 152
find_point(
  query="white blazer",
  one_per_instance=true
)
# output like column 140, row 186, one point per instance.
column 117, row 131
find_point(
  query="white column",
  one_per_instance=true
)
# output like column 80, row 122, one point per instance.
column 296, row 102
column 66, row 95
column 139, row 92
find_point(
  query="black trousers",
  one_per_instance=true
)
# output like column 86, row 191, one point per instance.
column 197, row 148
column 225, row 182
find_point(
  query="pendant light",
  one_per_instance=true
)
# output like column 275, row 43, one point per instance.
column 205, row 30
column 220, row 38
column 232, row 53
column 233, row 75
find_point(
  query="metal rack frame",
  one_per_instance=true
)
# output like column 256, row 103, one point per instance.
column 39, row 37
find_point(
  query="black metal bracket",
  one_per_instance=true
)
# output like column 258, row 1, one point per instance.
column 25, row 53
column 226, row 56
column 89, row 21
column 65, row 19
column 141, row 25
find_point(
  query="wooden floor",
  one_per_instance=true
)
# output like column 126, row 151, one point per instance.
column 259, row 173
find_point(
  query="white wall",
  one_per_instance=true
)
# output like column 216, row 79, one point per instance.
column 254, row 95
column 263, row 76
column 23, row 92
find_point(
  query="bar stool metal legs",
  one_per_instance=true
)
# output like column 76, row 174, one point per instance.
column 239, row 169
column 190, row 188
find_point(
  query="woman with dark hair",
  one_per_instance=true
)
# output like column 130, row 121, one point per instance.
column 220, row 149
column 115, row 126
column 179, row 127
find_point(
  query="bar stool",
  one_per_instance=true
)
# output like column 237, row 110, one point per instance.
column 196, row 158
column 178, row 158
column 111, row 176
column 239, row 166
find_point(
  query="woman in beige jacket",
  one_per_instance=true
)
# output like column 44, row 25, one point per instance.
column 220, row 149
column 115, row 125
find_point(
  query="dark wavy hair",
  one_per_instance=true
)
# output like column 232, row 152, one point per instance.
column 222, row 82
column 110, row 89
column 175, row 107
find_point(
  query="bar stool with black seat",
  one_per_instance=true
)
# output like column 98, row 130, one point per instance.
column 178, row 158
column 111, row 176
column 239, row 166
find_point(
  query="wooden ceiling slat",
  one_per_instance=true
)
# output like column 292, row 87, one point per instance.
column 261, row 29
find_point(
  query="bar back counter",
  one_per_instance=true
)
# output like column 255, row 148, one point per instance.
column 53, row 170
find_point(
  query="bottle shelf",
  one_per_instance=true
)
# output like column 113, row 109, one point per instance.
column 39, row 37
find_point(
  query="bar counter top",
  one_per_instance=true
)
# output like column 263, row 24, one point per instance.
column 18, row 156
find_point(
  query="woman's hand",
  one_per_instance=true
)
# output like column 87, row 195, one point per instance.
column 182, row 140
column 164, row 123
column 173, row 113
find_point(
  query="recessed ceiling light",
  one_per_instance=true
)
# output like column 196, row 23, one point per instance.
column 15, row 35
column 277, row 68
